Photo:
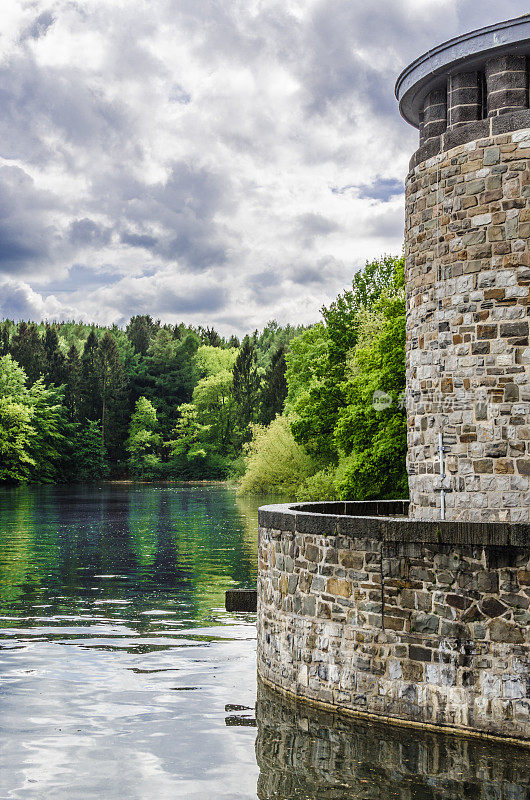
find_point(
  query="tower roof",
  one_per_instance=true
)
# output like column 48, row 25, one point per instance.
column 467, row 52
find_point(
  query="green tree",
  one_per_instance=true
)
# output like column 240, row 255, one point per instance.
column 34, row 430
column 16, row 434
column 317, row 411
column 90, row 464
column 72, row 397
column 5, row 337
column 275, row 463
column 372, row 435
column 16, row 428
column 89, row 401
column 167, row 375
column 13, row 379
column 274, row 387
column 54, row 360
column 28, row 350
column 217, row 409
column 210, row 360
column 246, row 383
column 108, row 372
column 143, row 441
column 191, row 453
column 53, row 432
column 140, row 331
column 209, row 336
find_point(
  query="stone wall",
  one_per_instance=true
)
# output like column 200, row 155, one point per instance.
column 364, row 615
column 468, row 353
column 307, row 753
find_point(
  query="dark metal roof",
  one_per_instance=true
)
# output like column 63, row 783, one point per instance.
column 469, row 51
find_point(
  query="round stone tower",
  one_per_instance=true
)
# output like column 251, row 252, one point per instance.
column 468, row 277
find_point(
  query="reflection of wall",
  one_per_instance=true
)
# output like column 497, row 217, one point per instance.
column 305, row 753
column 432, row 632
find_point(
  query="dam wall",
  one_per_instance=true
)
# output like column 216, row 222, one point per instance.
column 394, row 619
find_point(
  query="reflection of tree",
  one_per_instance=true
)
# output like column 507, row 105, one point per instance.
column 164, row 543
column 168, row 569
column 303, row 752
column 19, row 573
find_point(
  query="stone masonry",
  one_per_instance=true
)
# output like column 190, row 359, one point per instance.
column 468, row 353
column 305, row 752
column 363, row 619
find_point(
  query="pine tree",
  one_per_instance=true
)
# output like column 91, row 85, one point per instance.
column 140, row 330
column 28, row 350
column 210, row 336
column 90, row 464
column 274, row 389
column 108, row 372
column 89, row 406
column 5, row 337
column 72, row 384
column 246, row 381
column 54, row 360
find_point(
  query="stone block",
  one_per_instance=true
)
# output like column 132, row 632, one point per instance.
column 339, row 587
column 419, row 653
column 502, row 631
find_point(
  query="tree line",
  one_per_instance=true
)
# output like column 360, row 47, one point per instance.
column 288, row 410
column 82, row 403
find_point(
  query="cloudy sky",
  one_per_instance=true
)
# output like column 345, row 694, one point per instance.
column 211, row 161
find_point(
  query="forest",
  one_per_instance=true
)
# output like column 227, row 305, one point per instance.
column 308, row 412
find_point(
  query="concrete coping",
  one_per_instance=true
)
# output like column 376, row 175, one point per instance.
column 386, row 521
column 482, row 129
column 467, row 52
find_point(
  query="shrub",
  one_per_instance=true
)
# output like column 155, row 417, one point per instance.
column 275, row 462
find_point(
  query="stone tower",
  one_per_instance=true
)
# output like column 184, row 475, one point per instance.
column 468, row 277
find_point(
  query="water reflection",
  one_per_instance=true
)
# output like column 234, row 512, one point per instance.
column 122, row 676
column 305, row 753
column 66, row 545
column 118, row 663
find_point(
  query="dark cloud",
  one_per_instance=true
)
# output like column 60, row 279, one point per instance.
column 324, row 271
column 170, row 299
column 26, row 236
column 139, row 240
column 79, row 277
column 16, row 302
column 311, row 225
column 183, row 209
column 387, row 222
column 86, row 232
column 39, row 26
column 203, row 301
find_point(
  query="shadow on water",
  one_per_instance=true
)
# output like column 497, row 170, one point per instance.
column 306, row 753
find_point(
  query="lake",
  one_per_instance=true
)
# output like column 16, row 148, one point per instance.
column 121, row 675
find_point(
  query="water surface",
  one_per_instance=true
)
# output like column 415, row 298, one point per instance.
column 121, row 675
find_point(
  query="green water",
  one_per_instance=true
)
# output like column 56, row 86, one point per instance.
column 121, row 675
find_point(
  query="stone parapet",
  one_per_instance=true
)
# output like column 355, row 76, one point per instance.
column 428, row 632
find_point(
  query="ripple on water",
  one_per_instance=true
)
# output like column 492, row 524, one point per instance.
column 121, row 675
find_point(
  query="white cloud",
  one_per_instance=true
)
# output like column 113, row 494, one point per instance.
column 214, row 162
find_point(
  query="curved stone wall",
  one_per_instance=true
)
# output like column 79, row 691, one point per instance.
column 307, row 753
column 402, row 620
column 468, row 354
